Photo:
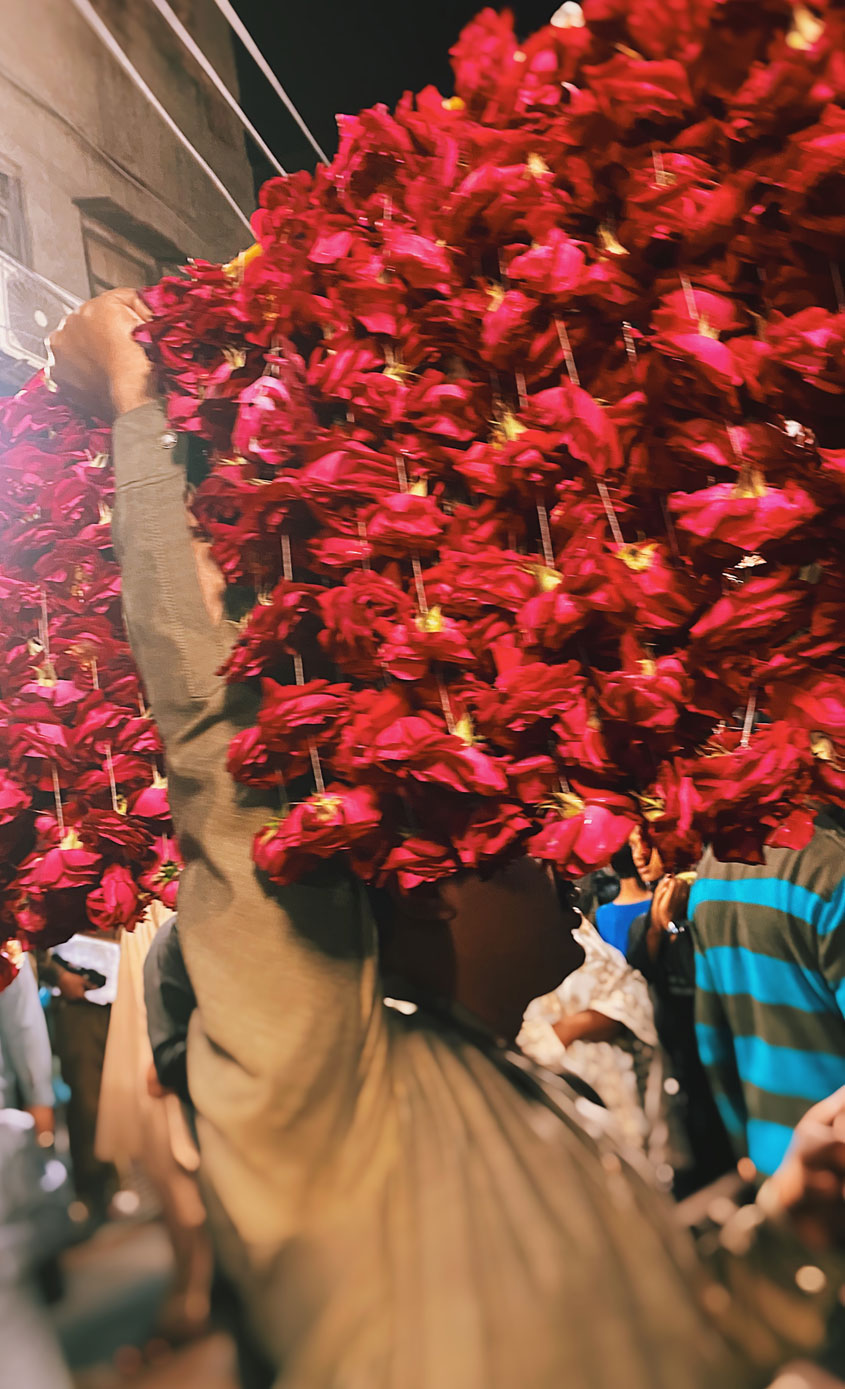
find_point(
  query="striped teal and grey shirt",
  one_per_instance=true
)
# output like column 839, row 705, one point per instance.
column 770, row 976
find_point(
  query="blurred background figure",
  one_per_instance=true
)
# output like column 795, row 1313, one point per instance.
column 615, row 918
column 26, row 1060
column 770, row 996
column 34, row 1193
column 33, row 1189
column 83, row 976
column 142, row 1126
column 660, row 946
column 594, row 890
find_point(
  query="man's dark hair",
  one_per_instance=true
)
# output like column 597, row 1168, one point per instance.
column 622, row 863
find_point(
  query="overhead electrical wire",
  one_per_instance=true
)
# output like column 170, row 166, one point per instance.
column 239, row 28
column 170, row 17
column 89, row 14
column 92, row 147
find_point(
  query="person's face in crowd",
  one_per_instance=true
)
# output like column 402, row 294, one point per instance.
column 491, row 946
column 647, row 860
column 512, row 941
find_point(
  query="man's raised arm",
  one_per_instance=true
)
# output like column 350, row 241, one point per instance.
column 172, row 593
column 288, row 1020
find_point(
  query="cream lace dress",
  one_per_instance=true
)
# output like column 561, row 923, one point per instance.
column 626, row 1073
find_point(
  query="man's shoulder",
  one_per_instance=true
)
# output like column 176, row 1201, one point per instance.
column 828, row 842
column 825, row 850
column 802, row 886
column 822, row 863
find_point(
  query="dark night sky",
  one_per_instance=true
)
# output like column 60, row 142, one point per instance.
column 343, row 55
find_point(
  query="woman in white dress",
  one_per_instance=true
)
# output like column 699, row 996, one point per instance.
column 599, row 1025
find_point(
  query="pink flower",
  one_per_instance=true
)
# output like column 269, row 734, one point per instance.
column 418, row 861
column 585, row 837
column 630, row 90
column 162, row 879
column 291, row 714
column 327, row 823
column 405, row 524
column 115, row 901
column 746, row 517
column 66, row 865
column 421, row 262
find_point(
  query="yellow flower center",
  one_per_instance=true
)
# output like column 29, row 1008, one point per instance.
column 507, row 427
column 536, row 166
column 751, row 483
column 325, row 808
column 431, row 621
column 236, row 267
column 495, row 293
column 464, row 730
column 806, row 29
column 822, row 747
column 547, row 578
column 652, row 807
column 568, row 804
column 610, row 243
column 637, row 558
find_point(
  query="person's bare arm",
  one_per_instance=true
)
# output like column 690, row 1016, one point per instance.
column 95, row 361
column 588, row 1026
column 779, row 1258
column 72, row 987
column 668, row 906
column 809, row 1186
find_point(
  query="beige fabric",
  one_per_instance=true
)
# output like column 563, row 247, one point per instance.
column 138, row 1130
column 403, row 1207
column 131, row 1125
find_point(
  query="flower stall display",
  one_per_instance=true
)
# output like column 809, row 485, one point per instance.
column 524, row 423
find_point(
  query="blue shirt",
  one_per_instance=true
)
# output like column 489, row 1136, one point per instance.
column 615, row 919
column 770, row 988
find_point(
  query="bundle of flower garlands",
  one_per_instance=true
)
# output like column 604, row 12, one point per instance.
column 525, row 421
column 85, row 838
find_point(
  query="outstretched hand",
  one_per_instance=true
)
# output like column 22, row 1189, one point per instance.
column 95, row 362
column 809, row 1185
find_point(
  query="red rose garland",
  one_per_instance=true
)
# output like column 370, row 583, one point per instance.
column 525, row 421
column 84, row 821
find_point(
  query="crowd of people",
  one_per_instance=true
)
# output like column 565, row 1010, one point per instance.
column 703, row 1021
column 443, row 1136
